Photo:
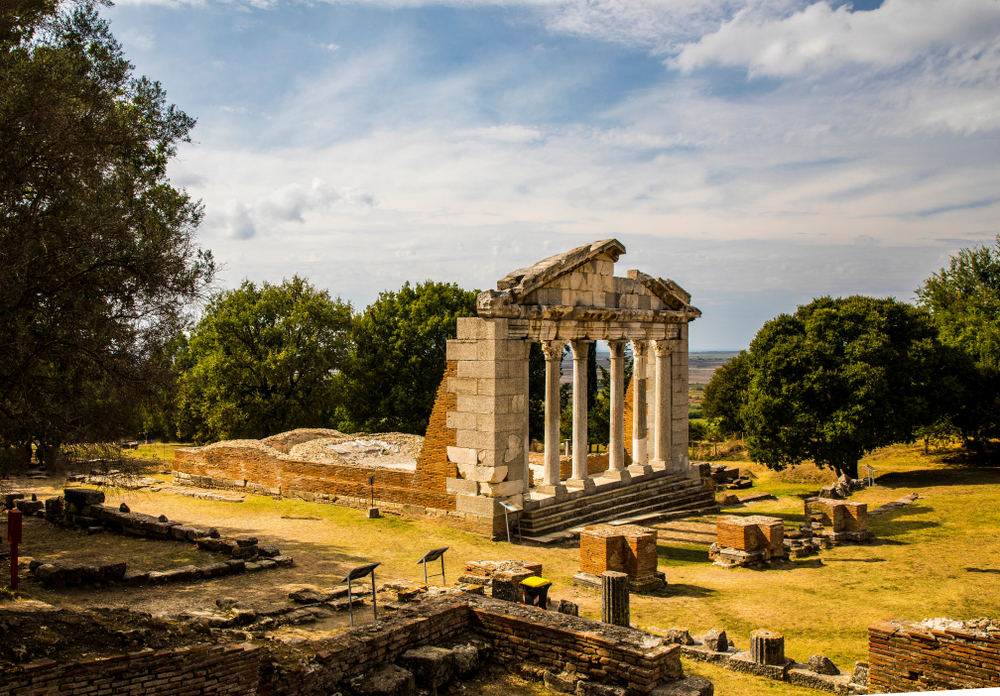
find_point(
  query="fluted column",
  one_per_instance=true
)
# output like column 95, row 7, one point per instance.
column 553, row 366
column 616, row 437
column 662, row 415
column 639, row 353
column 581, row 478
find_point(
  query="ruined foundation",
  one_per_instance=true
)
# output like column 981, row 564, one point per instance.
column 748, row 541
column 628, row 549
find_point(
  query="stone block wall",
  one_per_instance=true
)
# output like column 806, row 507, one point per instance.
column 604, row 653
column 753, row 533
column 905, row 656
column 216, row 669
column 840, row 515
column 627, row 549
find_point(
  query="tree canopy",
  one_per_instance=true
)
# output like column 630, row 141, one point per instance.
column 834, row 381
column 98, row 258
column 399, row 355
column 724, row 394
column 262, row 360
column 964, row 300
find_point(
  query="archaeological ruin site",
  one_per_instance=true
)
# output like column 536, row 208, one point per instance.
column 320, row 563
column 475, row 454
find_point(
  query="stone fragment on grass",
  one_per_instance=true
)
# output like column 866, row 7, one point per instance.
column 268, row 550
column 716, row 640
column 820, row 664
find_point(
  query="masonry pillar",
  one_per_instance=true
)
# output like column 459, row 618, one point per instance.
column 581, row 477
column 616, row 440
column 553, row 351
column 639, row 464
column 663, row 409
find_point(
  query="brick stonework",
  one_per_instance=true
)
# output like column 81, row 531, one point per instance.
column 615, row 655
column 627, row 549
column 840, row 515
column 753, row 533
column 433, row 467
column 255, row 470
column 906, row 656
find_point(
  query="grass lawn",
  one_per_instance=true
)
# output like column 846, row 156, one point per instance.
column 934, row 558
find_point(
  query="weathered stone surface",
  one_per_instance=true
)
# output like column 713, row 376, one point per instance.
column 860, row 674
column 466, row 660
column 820, row 664
column 564, row 682
column 688, row 686
column 586, row 688
column 308, row 596
column 432, row 667
column 283, row 561
column 244, row 551
column 564, row 606
column 716, row 640
column 390, row 680
column 51, row 575
column 124, row 508
column 245, row 541
column 83, row 496
column 268, row 550
column 681, row 636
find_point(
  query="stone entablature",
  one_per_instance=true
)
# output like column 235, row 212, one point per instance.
column 575, row 299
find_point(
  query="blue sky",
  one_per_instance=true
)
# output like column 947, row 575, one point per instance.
column 758, row 152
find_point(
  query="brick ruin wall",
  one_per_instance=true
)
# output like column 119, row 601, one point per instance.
column 841, row 515
column 752, row 533
column 610, row 654
column 624, row 548
column 258, row 471
column 906, row 656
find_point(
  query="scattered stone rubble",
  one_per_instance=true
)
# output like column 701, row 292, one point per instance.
column 842, row 488
column 750, row 542
column 83, row 508
column 905, row 501
column 819, row 672
column 730, row 478
column 847, row 521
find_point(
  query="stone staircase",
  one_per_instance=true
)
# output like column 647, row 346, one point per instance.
column 648, row 499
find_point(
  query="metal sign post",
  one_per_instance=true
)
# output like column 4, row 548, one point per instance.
column 511, row 507
column 431, row 556
column 14, row 537
column 871, row 475
column 355, row 574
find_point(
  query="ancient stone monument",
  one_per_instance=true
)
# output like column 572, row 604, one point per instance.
column 569, row 298
column 626, row 548
column 747, row 541
column 475, row 453
column 847, row 521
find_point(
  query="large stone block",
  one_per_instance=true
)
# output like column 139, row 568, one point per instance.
column 462, row 350
column 503, row 489
column 458, row 486
column 483, row 474
column 479, row 506
column 432, row 667
column 463, row 385
column 461, row 421
column 462, row 455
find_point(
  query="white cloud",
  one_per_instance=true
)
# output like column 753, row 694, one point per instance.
column 820, row 38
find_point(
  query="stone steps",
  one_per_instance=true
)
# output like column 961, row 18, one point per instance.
column 645, row 502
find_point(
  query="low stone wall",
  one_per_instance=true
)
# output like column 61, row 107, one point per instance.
column 217, row 669
column 633, row 661
column 907, row 656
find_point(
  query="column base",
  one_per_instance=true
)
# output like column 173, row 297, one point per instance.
column 558, row 491
column 640, row 469
column 622, row 475
column 659, row 465
column 587, row 484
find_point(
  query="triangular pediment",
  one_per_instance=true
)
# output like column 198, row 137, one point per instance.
column 547, row 271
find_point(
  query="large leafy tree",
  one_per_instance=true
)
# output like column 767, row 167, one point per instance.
column 399, row 355
column 97, row 251
column 964, row 300
column 838, row 379
column 262, row 360
column 723, row 395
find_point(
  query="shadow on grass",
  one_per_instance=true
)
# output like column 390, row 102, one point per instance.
column 924, row 478
column 681, row 590
column 682, row 554
column 982, row 570
column 855, row 560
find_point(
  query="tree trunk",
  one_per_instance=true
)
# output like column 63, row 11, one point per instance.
column 614, row 598
column 767, row 647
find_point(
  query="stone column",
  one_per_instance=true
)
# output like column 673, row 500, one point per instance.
column 663, row 413
column 553, row 365
column 616, row 440
column 581, row 478
column 526, row 438
column 639, row 464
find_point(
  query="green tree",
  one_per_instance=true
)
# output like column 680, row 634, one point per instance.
column 97, row 252
column 964, row 300
column 263, row 360
column 399, row 355
column 838, row 379
column 723, row 395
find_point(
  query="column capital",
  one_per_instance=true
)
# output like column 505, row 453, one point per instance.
column 580, row 349
column 617, row 348
column 662, row 348
column 553, row 350
column 640, row 348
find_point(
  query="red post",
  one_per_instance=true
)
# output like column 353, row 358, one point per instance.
column 14, row 537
